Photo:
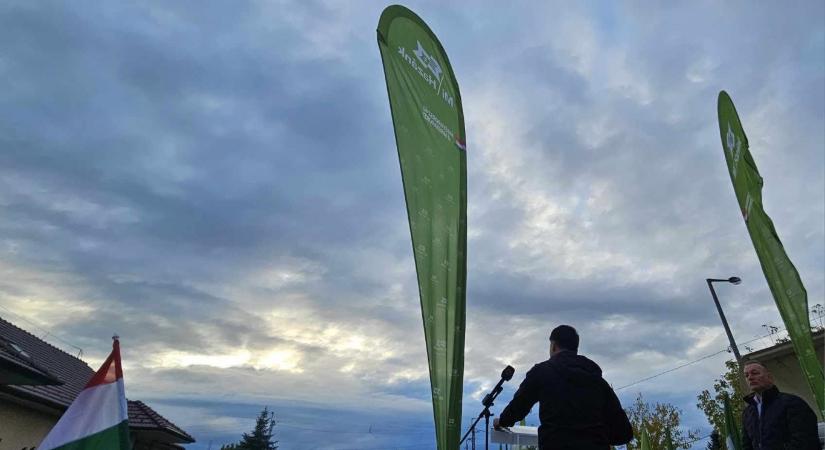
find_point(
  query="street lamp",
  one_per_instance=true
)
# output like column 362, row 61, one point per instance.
column 731, row 280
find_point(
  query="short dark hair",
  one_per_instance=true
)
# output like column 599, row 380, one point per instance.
column 565, row 337
column 750, row 361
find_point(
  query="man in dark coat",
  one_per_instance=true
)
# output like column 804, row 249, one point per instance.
column 577, row 408
column 774, row 420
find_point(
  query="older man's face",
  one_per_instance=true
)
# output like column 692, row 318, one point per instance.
column 758, row 377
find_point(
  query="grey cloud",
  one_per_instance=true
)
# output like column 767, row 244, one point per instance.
column 157, row 159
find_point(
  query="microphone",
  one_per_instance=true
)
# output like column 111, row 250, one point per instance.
column 506, row 375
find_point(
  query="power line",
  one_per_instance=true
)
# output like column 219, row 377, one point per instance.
column 671, row 370
column 696, row 440
column 45, row 332
column 681, row 366
column 727, row 349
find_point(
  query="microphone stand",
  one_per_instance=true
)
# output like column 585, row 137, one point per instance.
column 506, row 375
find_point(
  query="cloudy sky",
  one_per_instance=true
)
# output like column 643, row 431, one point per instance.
column 217, row 182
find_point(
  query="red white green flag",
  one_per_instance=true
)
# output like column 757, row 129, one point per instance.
column 97, row 419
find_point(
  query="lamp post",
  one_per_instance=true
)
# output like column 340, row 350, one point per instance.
column 731, row 280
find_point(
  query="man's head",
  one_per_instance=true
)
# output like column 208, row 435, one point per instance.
column 757, row 376
column 564, row 337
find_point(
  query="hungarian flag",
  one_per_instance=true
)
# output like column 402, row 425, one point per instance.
column 97, row 419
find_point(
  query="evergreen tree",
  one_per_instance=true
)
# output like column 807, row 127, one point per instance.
column 261, row 438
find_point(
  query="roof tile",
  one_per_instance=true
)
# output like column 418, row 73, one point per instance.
column 74, row 373
column 141, row 415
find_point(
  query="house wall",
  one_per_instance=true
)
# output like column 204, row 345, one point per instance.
column 788, row 376
column 22, row 427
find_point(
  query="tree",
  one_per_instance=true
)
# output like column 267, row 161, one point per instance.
column 713, row 405
column 657, row 419
column 261, row 436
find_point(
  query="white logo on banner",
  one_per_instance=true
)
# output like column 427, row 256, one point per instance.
column 421, row 64
column 428, row 61
column 733, row 144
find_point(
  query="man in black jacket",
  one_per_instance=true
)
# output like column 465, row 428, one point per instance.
column 774, row 420
column 577, row 408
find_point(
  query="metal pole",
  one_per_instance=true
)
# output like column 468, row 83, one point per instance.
column 487, row 431
column 724, row 321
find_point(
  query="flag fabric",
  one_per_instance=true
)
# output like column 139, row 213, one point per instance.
column 783, row 279
column 97, row 419
column 644, row 443
column 733, row 435
column 429, row 134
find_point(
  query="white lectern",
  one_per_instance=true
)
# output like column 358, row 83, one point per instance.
column 515, row 435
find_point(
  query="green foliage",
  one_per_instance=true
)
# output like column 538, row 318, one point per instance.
column 261, row 438
column 657, row 419
column 713, row 405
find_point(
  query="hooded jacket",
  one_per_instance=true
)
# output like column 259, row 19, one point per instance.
column 577, row 408
column 786, row 423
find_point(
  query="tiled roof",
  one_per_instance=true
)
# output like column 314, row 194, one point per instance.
column 74, row 373
column 142, row 416
column 11, row 355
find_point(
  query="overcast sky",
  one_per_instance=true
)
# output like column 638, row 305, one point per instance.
column 218, row 183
